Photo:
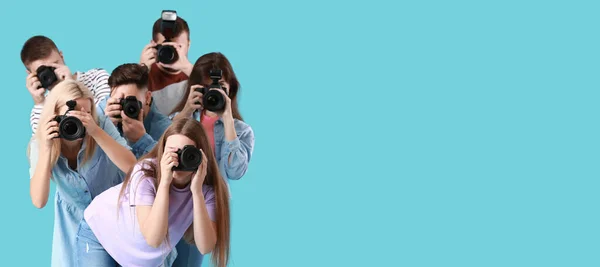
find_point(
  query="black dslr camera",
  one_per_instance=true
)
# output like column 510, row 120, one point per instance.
column 70, row 128
column 189, row 158
column 131, row 106
column 212, row 99
column 167, row 54
column 46, row 76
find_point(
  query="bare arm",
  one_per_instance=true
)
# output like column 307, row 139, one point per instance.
column 39, row 185
column 120, row 155
column 154, row 220
column 205, row 234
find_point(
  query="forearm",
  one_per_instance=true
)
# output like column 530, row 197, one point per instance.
column 121, row 156
column 155, row 226
column 143, row 145
column 204, row 233
column 230, row 133
column 187, row 69
column 39, row 185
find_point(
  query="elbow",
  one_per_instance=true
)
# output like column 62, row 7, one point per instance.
column 237, row 172
column 39, row 203
column 205, row 249
column 154, row 243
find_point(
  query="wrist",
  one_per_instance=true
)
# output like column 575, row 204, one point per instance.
column 187, row 69
column 228, row 120
column 135, row 138
column 38, row 101
column 165, row 183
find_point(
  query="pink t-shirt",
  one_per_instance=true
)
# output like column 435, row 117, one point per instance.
column 209, row 127
column 121, row 237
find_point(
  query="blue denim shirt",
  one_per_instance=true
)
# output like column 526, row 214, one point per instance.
column 155, row 124
column 240, row 149
column 75, row 189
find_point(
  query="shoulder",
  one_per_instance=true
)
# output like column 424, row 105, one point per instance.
column 95, row 72
column 103, row 120
column 93, row 75
column 138, row 173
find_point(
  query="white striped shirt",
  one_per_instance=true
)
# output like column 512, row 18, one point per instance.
column 95, row 79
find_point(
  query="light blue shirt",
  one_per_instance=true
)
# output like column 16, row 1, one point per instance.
column 75, row 189
column 155, row 124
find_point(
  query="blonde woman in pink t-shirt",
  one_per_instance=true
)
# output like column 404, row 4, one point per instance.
column 163, row 200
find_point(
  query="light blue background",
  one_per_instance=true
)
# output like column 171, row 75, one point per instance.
column 398, row 133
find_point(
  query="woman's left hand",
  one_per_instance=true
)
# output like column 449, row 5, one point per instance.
column 200, row 175
column 91, row 127
column 226, row 114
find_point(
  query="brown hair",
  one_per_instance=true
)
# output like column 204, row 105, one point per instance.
column 201, row 75
column 193, row 130
column 36, row 48
column 129, row 73
column 181, row 27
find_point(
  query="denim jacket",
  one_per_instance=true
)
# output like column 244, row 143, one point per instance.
column 240, row 149
column 155, row 124
column 75, row 190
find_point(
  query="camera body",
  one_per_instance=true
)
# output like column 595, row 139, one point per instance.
column 46, row 76
column 167, row 54
column 189, row 158
column 213, row 100
column 70, row 128
column 131, row 106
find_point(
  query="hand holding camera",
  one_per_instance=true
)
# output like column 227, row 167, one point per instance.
column 88, row 122
column 133, row 128
column 50, row 131
column 35, row 88
column 189, row 158
column 149, row 53
column 214, row 97
column 169, row 161
column 199, row 175
column 170, row 55
column 113, row 109
column 69, row 127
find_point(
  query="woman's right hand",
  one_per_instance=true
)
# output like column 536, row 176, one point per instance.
column 194, row 101
column 168, row 161
column 49, row 131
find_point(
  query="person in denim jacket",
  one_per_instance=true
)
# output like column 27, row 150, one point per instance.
column 142, row 132
column 232, row 139
column 82, row 168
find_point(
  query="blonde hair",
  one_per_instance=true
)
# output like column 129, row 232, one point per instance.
column 56, row 99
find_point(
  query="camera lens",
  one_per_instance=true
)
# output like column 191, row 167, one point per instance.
column 46, row 76
column 71, row 129
column 131, row 107
column 190, row 158
column 167, row 54
column 213, row 101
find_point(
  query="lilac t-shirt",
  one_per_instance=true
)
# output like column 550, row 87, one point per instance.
column 121, row 236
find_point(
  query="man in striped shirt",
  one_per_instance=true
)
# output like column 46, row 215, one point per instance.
column 168, row 82
column 42, row 51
